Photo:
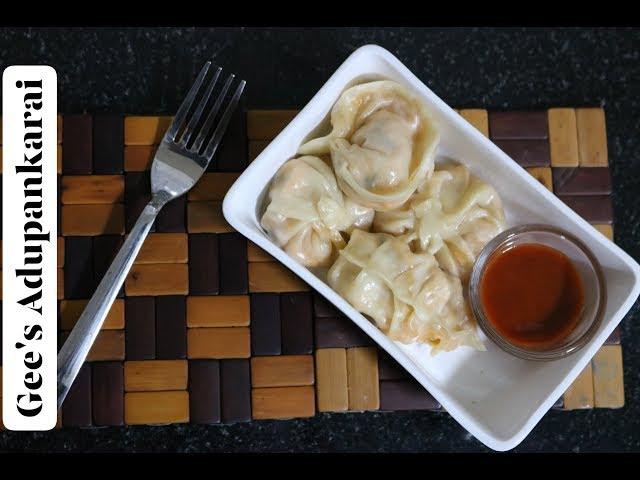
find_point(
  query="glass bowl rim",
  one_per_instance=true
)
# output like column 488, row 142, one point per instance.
column 485, row 325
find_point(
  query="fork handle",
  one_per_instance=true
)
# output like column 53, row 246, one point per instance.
column 76, row 348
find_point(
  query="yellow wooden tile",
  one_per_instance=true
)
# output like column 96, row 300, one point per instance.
column 141, row 408
column 60, row 252
column 90, row 220
column 147, row 130
column 282, row 402
column 592, row 137
column 608, row 381
column 256, row 254
column 282, row 371
column 580, row 393
column 164, row 248
column 563, row 137
column 220, row 342
column 218, row 311
column 543, row 175
column 477, row 117
column 274, row 277
column 206, row 217
column 158, row 279
column 70, row 311
column 92, row 189
column 109, row 345
column 362, row 374
column 138, row 158
column 331, row 380
column 155, row 375
column 606, row 230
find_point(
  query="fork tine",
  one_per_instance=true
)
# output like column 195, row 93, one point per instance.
column 204, row 131
column 195, row 118
column 224, row 121
column 180, row 116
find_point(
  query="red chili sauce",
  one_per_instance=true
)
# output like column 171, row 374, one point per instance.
column 532, row 294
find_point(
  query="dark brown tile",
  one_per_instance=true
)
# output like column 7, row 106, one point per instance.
column 405, row 395
column 296, row 315
column 518, row 125
column 2, row 327
column 137, row 193
column 528, row 153
column 235, row 381
column 339, row 332
column 389, row 369
column 614, row 338
column 232, row 154
column 559, row 405
column 140, row 328
column 322, row 307
column 108, row 144
column 77, row 144
column 204, row 391
column 105, row 248
column 203, row 264
column 593, row 208
column 233, row 264
column 582, row 181
column 171, row 327
column 171, row 218
column 76, row 409
column 78, row 268
column 265, row 324
column 59, row 210
column 108, row 393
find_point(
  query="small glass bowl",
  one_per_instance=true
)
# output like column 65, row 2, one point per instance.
column 588, row 267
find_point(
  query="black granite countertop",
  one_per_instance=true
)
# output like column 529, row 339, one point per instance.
column 148, row 70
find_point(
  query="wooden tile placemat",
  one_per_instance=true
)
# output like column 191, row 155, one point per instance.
column 208, row 328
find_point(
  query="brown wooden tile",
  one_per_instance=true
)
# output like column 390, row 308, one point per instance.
column 145, row 130
column 283, row 402
column 204, row 277
column 256, row 254
column 155, row 375
column 389, row 369
column 109, row 345
column 171, row 327
column 265, row 324
column 60, row 252
column 158, row 279
column 339, row 332
column 60, row 278
column 107, row 393
column 582, row 181
column 220, row 342
column 140, row 332
column 231, row 155
column 235, row 396
column 138, row 158
column 405, row 395
column 86, row 220
column 331, row 380
column 296, row 315
column 164, row 248
column 137, row 193
column 362, row 373
column 477, row 117
column 614, row 338
column 78, row 146
column 76, row 409
column 105, row 248
column 580, row 393
column 592, row 137
column 172, row 218
column 159, row 408
column 593, row 208
column 59, row 155
column 518, row 125
column 543, row 175
column 266, row 124
column 78, row 270
column 323, row 307
column 256, row 147
column 108, row 143
column 204, row 391
column 606, row 230
column 206, row 217
column 218, row 311
column 274, row 277
column 60, row 125
column 233, row 264
column 563, row 137
column 92, row 189
column 212, row 186
column 282, row 371
column 608, row 381
column 70, row 311
column 528, row 153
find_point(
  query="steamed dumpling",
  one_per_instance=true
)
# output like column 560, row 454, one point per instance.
column 382, row 144
column 407, row 295
column 452, row 216
column 306, row 212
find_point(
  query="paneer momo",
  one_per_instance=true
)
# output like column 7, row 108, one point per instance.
column 306, row 212
column 407, row 295
column 452, row 216
column 382, row 144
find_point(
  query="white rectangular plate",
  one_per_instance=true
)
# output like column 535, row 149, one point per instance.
column 496, row 397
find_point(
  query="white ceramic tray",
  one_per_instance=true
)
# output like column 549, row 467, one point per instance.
column 496, row 397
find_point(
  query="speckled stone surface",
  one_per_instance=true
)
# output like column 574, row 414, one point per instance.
column 148, row 70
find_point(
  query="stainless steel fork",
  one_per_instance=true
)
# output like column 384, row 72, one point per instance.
column 182, row 157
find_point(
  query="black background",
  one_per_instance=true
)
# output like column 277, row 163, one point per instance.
column 148, row 70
